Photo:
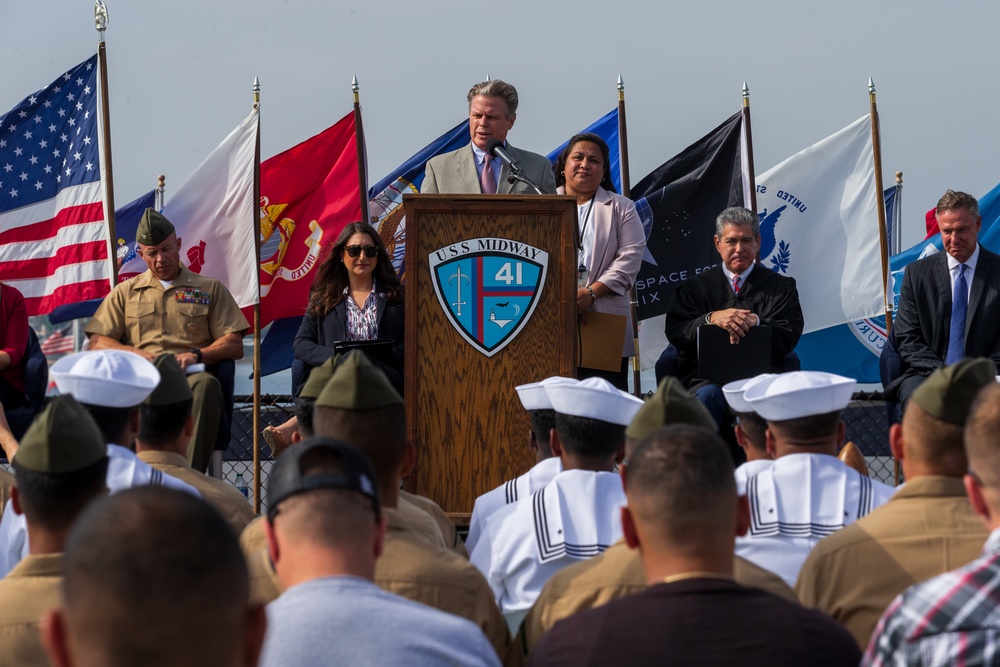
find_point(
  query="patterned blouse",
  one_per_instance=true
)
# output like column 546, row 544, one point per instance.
column 362, row 323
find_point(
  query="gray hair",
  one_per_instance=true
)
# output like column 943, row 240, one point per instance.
column 737, row 216
column 496, row 88
column 952, row 200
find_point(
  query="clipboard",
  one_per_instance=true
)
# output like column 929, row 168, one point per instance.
column 601, row 341
column 720, row 361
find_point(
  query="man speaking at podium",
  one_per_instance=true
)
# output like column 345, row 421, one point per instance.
column 473, row 171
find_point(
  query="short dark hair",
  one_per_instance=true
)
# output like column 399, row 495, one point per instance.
column 560, row 165
column 378, row 433
column 303, row 409
column 542, row 423
column 111, row 421
column 814, row 428
column 754, row 427
column 162, row 424
column 155, row 576
column 680, row 482
column 935, row 443
column 53, row 502
column 588, row 438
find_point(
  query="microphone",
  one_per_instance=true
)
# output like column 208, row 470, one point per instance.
column 495, row 148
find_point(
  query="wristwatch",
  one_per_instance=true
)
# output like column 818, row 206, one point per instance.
column 197, row 353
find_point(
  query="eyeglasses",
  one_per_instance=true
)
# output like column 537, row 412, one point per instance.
column 355, row 250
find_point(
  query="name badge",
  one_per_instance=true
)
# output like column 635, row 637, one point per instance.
column 192, row 295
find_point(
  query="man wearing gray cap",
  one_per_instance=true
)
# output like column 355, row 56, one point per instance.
column 110, row 384
column 542, row 419
column 807, row 493
column 325, row 529
column 926, row 528
column 573, row 517
column 60, row 468
column 165, row 426
column 170, row 309
column 618, row 572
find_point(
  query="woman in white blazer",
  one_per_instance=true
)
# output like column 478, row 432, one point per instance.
column 610, row 235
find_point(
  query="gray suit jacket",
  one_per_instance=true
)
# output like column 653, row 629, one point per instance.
column 456, row 173
column 923, row 321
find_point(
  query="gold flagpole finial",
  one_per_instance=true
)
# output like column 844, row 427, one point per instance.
column 256, row 92
column 746, row 94
column 100, row 17
column 355, row 88
column 871, row 90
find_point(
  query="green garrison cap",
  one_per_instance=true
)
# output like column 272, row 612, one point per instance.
column 947, row 394
column 671, row 404
column 63, row 438
column 173, row 386
column 153, row 228
column 357, row 384
column 319, row 376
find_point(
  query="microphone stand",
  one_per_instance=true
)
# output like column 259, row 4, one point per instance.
column 516, row 176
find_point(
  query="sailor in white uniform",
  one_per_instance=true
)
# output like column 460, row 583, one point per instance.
column 106, row 382
column 749, row 429
column 575, row 516
column 542, row 418
column 807, row 493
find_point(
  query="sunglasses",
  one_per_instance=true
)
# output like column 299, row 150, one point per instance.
column 355, row 250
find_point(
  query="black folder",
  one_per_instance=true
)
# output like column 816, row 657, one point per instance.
column 720, row 361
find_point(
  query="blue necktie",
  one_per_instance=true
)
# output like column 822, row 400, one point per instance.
column 959, row 308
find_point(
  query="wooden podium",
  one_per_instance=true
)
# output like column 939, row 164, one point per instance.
column 474, row 332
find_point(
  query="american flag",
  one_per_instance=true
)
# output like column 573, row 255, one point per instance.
column 59, row 342
column 53, row 238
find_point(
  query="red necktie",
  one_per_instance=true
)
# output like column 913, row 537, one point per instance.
column 736, row 284
column 488, row 182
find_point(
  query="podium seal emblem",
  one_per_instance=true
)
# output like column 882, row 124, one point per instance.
column 488, row 288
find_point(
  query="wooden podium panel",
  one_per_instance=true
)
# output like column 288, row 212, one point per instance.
column 463, row 414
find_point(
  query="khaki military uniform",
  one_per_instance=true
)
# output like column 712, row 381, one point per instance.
column 264, row 584
column 439, row 578
column 26, row 593
column 616, row 573
column 6, row 482
column 926, row 529
column 224, row 497
column 452, row 539
column 194, row 312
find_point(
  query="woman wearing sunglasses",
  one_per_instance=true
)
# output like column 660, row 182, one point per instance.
column 356, row 296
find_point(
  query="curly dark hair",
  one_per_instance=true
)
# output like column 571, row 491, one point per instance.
column 331, row 278
column 605, row 152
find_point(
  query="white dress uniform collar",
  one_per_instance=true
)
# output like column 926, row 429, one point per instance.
column 748, row 470
column 575, row 516
column 509, row 492
column 797, row 501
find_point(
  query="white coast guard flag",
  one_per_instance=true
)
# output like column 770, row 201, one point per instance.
column 819, row 225
column 214, row 212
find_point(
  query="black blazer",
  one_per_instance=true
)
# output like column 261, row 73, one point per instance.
column 923, row 322
column 314, row 341
column 769, row 295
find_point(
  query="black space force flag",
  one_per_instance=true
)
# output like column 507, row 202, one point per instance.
column 678, row 203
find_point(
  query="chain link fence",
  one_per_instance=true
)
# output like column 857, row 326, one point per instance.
column 867, row 420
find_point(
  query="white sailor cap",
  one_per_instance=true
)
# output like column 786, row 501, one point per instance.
column 533, row 395
column 799, row 394
column 109, row 378
column 594, row 398
column 734, row 392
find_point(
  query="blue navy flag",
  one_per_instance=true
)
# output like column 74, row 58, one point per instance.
column 54, row 241
column 891, row 201
column 126, row 223
column 606, row 127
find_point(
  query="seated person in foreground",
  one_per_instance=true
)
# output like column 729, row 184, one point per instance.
column 735, row 296
column 683, row 515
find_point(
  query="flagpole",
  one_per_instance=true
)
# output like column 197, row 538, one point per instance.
column 749, row 138
column 359, row 134
column 627, row 192
column 880, row 203
column 256, row 308
column 101, row 24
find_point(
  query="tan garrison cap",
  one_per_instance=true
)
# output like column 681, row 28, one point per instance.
column 671, row 404
column 357, row 384
column 153, row 228
column 173, row 387
column 948, row 392
column 319, row 376
column 62, row 439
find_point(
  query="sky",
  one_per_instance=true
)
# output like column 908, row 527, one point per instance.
column 181, row 74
